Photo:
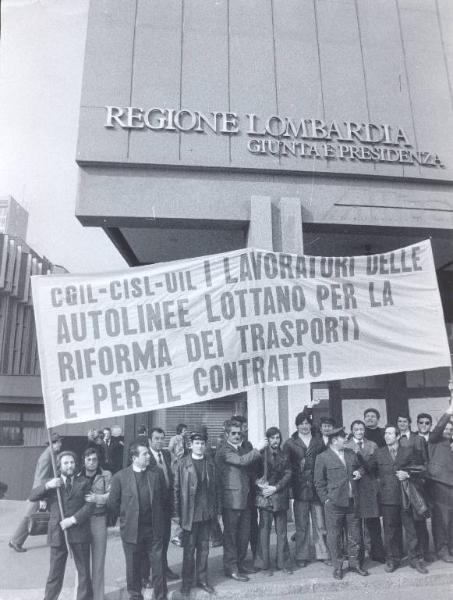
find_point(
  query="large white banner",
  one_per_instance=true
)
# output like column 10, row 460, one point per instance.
column 176, row 333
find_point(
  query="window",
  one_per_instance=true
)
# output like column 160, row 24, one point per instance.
column 22, row 425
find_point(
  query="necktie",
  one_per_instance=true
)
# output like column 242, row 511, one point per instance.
column 163, row 467
column 361, row 445
column 393, row 453
column 68, row 485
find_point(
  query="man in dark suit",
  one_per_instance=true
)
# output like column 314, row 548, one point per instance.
column 394, row 464
column 337, row 471
column 138, row 495
column 161, row 459
column 420, row 447
column 43, row 472
column 440, row 469
column 272, row 500
column 233, row 463
column 302, row 449
column 113, row 452
column 75, row 520
column 195, row 507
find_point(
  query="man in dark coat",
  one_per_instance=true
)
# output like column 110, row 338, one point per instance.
column 272, row 500
column 161, row 458
column 113, row 452
column 233, row 482
column 337, row 471
column 43, row 472
column 420, row 447
column 138, row 496
column 75, row 520
column 368, row 489
column 440, row 469
column 302, row 449
column 195, row 504
column 394, row 464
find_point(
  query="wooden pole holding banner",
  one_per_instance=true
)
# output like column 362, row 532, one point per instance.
column 263, row 406
column 60, row 503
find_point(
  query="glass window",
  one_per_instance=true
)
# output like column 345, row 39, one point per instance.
column 22, row 425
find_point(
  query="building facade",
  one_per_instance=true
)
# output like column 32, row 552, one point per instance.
column 317, row 127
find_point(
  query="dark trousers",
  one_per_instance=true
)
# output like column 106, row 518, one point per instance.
column 373, row 524
column 394, row 518
column 236, row 536
column 442, row 526
column 58, row 556
column 421, row 530
column 254, row 530
column 262, row 560
column 152, row 548
column 216, row 531
column 146, row 565
column 195, row 541
column 342, row 521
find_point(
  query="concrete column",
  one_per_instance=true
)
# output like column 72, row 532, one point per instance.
column 292, row 398
column 262, row 403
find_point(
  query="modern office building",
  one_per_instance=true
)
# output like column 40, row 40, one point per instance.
column 13, row 218
column 314, row 126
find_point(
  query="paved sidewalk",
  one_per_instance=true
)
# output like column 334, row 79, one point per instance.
column 23, row 576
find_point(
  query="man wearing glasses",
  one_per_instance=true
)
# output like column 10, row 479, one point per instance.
column 424, row 424
column 232, row 462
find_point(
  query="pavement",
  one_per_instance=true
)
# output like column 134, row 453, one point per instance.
column 23, row 576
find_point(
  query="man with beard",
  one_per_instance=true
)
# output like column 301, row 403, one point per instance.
column 75, row 520
column 272, row 500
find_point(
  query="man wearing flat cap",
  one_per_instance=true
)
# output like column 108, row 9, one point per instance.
column 43, row 472
column 195, row 507
column 336, row 472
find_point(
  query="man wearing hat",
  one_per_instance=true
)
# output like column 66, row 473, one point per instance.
column 336, row 472
column 43, row 472
column 195, row 507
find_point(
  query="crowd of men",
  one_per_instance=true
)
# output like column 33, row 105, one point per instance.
column 341, row 484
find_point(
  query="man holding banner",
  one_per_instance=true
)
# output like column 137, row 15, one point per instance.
column 233, row 462
column 75, row 520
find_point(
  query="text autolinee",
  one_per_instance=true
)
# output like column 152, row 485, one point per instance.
column 176, row 333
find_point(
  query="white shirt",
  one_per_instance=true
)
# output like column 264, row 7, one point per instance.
column 155, row 453
column 234, row 445
column 137, row 469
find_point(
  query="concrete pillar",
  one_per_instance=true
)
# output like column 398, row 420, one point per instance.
column 262, row 403
column 292, row 398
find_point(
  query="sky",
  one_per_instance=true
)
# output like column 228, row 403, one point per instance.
column 41, row 64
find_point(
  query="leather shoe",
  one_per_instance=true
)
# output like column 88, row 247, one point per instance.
column 300, row 563
column 328, row 562
column 171, row 575
column 206, row 587
column 16, row 547
column 419, row 566
column 390, row 567
column 379, row 559
column 176, row 542
column 448, row 558
column 237, row 576
column 359, row 571
column 248, row 570
column 287, row 571
column 216, row 543
column 338, row 573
